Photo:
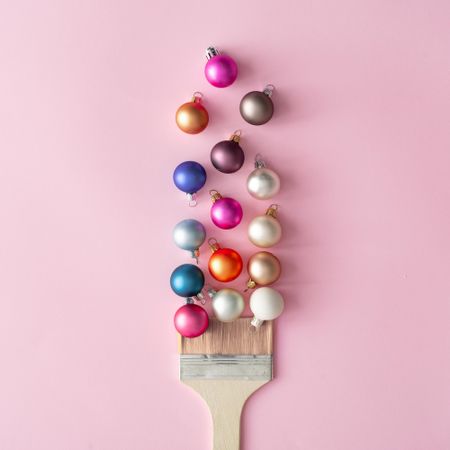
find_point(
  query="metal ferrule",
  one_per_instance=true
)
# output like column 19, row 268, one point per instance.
column 226, row 367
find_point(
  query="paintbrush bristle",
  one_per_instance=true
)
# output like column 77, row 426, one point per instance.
column 235, row 338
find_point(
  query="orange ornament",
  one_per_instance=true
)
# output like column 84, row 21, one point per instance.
column 192, row 117
column 225, row 264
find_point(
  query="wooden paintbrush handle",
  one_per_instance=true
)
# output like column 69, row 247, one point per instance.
column 226, row 399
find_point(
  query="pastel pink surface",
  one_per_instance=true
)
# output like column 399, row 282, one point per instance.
column 88, row 143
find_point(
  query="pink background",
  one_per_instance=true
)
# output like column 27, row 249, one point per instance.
column 360, row 137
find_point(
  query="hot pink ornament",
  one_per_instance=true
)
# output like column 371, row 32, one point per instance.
column 226, row 212
column 191, row 320
column 220, row 70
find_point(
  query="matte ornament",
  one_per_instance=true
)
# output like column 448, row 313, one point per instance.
column 265, row 231
column 220, row 70
column 256, row 107
column 228, row 156
column 263, row 183
column 189, row 177
column 263, row 268
column 191, row 320
column 226, row 213
column 266, row 304
column 192, row 117
column 189, row 234
column 187, row 280
column 227, row 304
column 225, row 264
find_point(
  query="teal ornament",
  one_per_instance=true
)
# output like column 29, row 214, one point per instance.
column 187, row 280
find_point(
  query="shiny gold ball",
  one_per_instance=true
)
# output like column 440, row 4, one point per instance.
column 192, row 117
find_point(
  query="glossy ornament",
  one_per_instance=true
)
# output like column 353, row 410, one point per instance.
column 263, row 183
column 189, row 177
column 228, row 156
column 263, row 268
column 187, row 280
column 266, row 304
column 192, row 117
column 220, row 70
column 226, row 212
column 191, row 320
column 189, row 234
column 227, row 304
column 225, row 264
column 265, row 231
column 256, row 107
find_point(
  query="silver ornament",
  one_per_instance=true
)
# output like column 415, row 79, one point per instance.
column 265, row 231
column 256, row 107
column 189, row 234
column 227, row 304
column 263, row 183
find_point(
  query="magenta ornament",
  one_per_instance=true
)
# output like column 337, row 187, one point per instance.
column 226, row 212
column 220, row 70
column 191, row 320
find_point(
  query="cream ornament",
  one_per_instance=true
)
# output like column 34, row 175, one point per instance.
column 228, row 304
column 265, row 231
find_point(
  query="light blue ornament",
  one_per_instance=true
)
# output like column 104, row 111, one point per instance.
column 189, row 234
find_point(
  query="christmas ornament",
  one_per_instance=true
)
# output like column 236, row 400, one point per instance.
column 187, row 280
column 264, row 268
column 191, row 320
column 262, row 183
column 265, row 231
column 228, row 156
column 220, row 70
column 266, row 304
column 189, row 177
column 192, row 117
column 189, row 234
column 225, row 264
column 257, row 107
column 226, row 212
column 227, row 304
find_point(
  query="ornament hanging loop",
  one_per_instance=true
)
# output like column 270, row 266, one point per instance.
column 200, row 298
column 195, row 254
column 268, row 90
column 259, row 162
column 192, row 200
column 197, row 97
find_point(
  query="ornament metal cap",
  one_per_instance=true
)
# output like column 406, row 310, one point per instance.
column 272, row 210
column 213, row 244
column 256, row 322
column 236, row 136
column 259, row 162
column 197, row 97
column 215, row 195
column 210, row 52
column 268, row 90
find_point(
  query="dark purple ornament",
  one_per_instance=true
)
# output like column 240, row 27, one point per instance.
column 228, row 156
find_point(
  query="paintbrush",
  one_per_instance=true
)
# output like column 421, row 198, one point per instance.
column 225, row 366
